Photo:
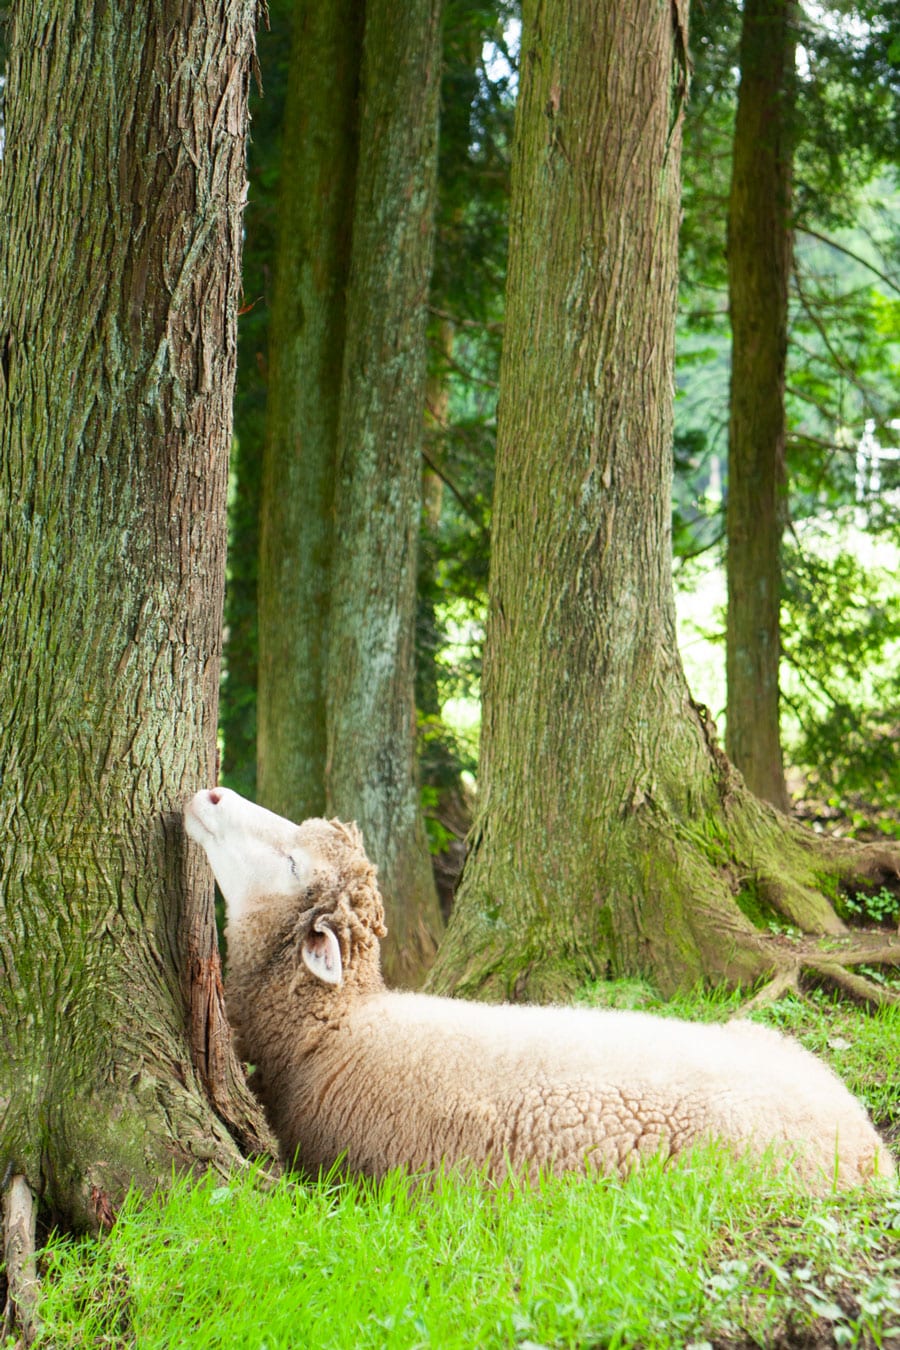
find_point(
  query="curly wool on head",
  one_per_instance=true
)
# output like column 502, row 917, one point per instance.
column 350, row 903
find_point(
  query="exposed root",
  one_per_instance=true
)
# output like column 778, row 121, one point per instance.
column 785, row 982
column 855, row 862
column 816, row 965
column 831, row 975
column 802, row 905
column 23, row 1287
column 878, row 953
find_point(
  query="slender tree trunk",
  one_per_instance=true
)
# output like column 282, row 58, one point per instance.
column 318, row 181
column 240, row 676
column 759, row 265
column 611, row 834
column 122, row 186
column 370, row 770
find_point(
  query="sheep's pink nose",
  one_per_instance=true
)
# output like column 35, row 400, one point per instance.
column 215, row 796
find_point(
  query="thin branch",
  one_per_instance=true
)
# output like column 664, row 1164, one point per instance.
column 816, row 321
column 465, row 323
column 839, row 248
column 468, row 375
column 700, row 550
column 814, row 686
column 468, row 507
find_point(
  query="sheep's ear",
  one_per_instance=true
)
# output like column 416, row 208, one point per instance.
column 321, row 953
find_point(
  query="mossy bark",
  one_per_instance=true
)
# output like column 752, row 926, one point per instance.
column 611, row 834
column 760, row 247
column 119, row 280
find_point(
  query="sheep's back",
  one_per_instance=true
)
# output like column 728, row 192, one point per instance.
column 410, row 1079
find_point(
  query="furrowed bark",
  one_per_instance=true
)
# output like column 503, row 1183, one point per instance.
column 119, row 283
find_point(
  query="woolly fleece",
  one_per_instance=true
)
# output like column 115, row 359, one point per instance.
column 346, row 1068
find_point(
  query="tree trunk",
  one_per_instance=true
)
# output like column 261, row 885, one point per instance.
column 759, row 265
column 122, row 188
column 318, row 179
column 240, row 675
column 370, row 769
column 611, row 834
column 341, row 493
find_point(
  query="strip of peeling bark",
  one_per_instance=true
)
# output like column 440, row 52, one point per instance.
column 23, row 1286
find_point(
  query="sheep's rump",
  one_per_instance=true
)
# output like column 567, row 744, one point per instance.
column 412, row 1079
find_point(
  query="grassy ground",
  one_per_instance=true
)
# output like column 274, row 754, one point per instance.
column 708, row 1254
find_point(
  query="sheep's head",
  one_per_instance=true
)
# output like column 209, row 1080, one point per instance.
column 307, row 889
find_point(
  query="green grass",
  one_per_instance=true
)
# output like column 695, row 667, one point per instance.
column 708, row 1252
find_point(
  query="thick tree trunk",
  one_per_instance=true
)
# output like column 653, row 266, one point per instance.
column 759, row 265
column 611, row 834
column 318, row 178
column 370, row 770
column 122, row 187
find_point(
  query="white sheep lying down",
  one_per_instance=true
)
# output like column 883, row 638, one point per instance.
column 347, row 1068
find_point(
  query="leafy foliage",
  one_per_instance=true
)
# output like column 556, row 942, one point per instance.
column 843, row 622
column 844, row 348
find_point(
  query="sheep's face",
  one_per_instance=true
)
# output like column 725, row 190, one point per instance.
column 316, row 874
column 256, row 856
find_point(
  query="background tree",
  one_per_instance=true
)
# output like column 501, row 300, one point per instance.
column 370, row 696
column 841, row 376
column 464, row 337
column 305, row 356
column 115, row 418
column 237, row 714
column 341, row 484
column 759, row 267
column 611, row 834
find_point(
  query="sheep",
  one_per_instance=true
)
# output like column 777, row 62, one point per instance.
column 350, row 1072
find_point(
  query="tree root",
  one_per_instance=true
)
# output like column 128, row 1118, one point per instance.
column 832, row 975
column 785, row 982
column 820, row 970
column 23, row 1286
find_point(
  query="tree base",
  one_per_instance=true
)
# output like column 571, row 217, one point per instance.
column 683, row 890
